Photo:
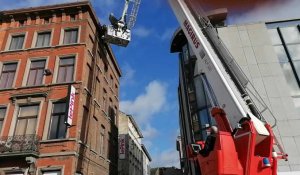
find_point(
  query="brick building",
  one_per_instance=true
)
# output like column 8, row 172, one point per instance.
column 44, row 51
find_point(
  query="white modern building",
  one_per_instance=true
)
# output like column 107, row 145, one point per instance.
column 134, row 158
column 146, row 161
column 269, row 54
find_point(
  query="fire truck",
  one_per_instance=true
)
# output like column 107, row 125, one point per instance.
column 223, row 130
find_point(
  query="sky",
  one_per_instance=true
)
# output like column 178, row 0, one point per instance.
column 150, row 72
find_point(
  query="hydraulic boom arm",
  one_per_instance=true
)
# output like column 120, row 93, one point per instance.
column 234, row 137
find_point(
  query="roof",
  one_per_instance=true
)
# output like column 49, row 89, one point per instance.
column 146, row 152
column 133, row 123
column 135, row 126
column 29, row 10
column 7, row 14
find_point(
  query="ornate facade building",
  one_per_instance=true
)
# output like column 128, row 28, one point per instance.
column 59, row 84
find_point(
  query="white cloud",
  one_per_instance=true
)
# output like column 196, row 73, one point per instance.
column 144, row 106
column 128, row 75
column 149, row 132
column 268, row 12
column 166, row 158
column 141, row 31
column 105, row 3
column 167, row 34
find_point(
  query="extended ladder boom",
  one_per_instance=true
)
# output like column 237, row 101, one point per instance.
column 119, row 32
column 224, row 76
column 224, row 88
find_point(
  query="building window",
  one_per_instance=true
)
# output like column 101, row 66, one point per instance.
column 89, row 76
column 105, row 67
column 17, row 42
column 70, row 36
column 112, row 114
column 8, row 75
column 43, row 39
column 94, row 135
column 14, row 173
column 2, row 116
column 51, row 172
column 102, row 132
column 36, row 72
column 104, row 103
column 27, row 120
column 98, row 90
column 116, row 90
column 66, row 69
column 286, row 42
column 58, row 128
column 111, row 81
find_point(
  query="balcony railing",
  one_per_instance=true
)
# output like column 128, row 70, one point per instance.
column 19, row 144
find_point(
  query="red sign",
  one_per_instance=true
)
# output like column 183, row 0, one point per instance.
column 191, row 33
column 122, row 146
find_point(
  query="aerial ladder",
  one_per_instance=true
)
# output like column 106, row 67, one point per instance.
column 119, row 31
column 215, row 98
column 224, row 130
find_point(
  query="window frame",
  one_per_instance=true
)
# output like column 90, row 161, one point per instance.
column 98, row 92
column 5, row 117
column 89, row 77
column 290, row 59
column 22, row 102
column 42, row 170
column 35, row 38
column 57, row 65
column 63, row 31
column 102, row 140
column 16, row 72
column 105, row 101
column 27, row 70
column 49, row 171
column 10, row 38
column 27, row 117
column 50, row 120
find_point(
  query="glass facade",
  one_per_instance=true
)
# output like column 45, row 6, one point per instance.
column 285, row 37
column 199, row 95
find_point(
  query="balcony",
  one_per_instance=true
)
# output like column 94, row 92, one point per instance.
column 19, row 145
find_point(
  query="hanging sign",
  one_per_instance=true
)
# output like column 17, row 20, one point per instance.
column 70, row 105
column 122, row 146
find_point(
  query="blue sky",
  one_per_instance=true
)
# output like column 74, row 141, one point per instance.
column 150, row 71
